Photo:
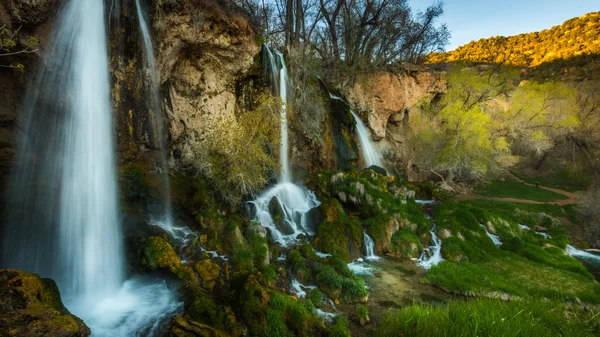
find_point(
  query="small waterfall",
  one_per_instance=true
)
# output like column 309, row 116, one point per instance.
column 582, row 254
column 167, row 216
column 295, row 202
column 369, row 248
column 431, row 255
column 495, row 238
column 292, row 201
column 370, row 155
column 62, row 217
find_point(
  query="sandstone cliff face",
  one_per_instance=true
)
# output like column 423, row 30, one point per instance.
column 203, row 49
column 389, row 100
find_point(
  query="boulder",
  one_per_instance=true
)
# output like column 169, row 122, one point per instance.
column 278, row 216
column 377, row 169
column 444, row 234
column 207, row 270
column 31, row 306
column 314, row 218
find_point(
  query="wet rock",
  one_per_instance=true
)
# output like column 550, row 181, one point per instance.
column 207, row 270
column 31, row 306
column 314, row 218
column 278, row 216
column 377, row 169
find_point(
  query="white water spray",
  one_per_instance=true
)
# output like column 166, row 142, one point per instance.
column 495, row 238
column 369, row 248
column 432, row 255
column 294, row 201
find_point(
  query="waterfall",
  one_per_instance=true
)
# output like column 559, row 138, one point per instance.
column 167, row 216
column 370, row 155
column 431, row 255
column 369, row 248
column 495, row 238
column 62, row 212
column 290, row 201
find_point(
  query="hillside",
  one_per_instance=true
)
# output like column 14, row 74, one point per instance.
column 577, row 37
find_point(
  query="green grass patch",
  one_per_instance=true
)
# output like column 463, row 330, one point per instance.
column 564, row 180
column 513, row 275
column 487, row 317
column 517, row 190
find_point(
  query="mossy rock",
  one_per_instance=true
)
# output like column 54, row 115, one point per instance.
column 207, row 270
column 181, row 327
column 31, row 306
column 158, row 254
column 406, row 245
column 340, row 234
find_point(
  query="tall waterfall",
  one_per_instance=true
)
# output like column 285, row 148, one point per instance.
column 370, row 154
column 62, row 212
column 158, row 126
column 292, row 201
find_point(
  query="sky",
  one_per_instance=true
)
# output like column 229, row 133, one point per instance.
column 470, row 20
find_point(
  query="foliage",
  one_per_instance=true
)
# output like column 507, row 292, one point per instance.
column 11, row 43
column 575, row 37
column 589, row 215
column 484, row 120
column 339, row 328
column 490, row 317
column 514, row 189
column 236, row 155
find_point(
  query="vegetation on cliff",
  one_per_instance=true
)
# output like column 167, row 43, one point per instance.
column 574, row 38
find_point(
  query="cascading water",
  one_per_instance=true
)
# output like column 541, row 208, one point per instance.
column 369, row 248
column 431, row 255
column 292, row 200
column 167, row 216
column 62, row 218
column 495, row 238
column 370, row 155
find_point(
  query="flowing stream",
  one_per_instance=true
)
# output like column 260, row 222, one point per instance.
column 431, row 255
column 293, row 201
column 495, row 238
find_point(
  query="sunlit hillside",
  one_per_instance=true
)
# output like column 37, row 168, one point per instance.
column 576, row 37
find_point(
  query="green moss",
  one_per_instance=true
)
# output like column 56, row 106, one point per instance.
column 158, row 254
column 203, row 309
column 515, row 189
column 406, row 244
column 334, row 234
column 339, row 328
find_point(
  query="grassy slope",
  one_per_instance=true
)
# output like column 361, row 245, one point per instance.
column 487, row 317
column 514, row 189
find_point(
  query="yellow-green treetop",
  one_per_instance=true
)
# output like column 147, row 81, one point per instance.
column 575, row 38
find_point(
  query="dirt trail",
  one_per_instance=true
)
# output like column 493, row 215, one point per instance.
column 571, row 198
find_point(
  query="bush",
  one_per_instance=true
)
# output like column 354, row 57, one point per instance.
column 236, row 156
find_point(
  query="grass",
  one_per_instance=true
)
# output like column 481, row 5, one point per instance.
column 515, row 189
column 510, row 207
column 564, row 180
column 487, row 317
column 513, row 275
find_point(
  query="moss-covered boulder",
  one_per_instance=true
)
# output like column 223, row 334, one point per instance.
column 339, row 234
column 31, row 306
column 405, row 245
column 181, row 327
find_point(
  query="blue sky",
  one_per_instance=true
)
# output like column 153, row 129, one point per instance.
column 474, row 19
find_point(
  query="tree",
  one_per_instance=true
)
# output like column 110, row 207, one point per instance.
column 589, row 215
column 236, row 155
column 10, row 45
